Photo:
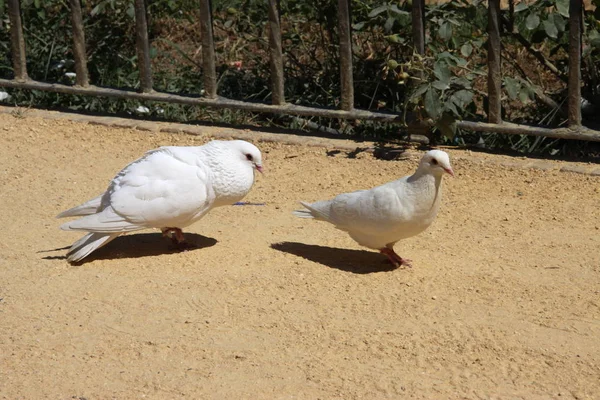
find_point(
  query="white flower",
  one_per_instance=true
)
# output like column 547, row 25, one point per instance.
column 160, row 110
column 142, row 110
column 4, row 96
column 70, row 75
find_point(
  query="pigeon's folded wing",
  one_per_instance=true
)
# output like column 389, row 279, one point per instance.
column 162, row 189
column 368, row 210
column 158, row 190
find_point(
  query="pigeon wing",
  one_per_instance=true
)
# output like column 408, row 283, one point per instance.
column 368, row 211
column 165, row 188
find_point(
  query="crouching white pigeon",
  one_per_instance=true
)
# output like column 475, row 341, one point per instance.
column 378, row 218
column 168, row 188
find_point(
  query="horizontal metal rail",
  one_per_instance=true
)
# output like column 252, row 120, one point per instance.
column 576, row 132
column 279, row 106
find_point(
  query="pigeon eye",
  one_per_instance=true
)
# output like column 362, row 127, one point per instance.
column 249, row 157
column 434, row 161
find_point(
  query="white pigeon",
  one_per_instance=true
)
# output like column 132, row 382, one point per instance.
column 168, row 188
column 378, row 218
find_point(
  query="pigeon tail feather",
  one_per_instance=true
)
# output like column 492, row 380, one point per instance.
column 87, row 208
column 90, row 242
column 106, row 222
column 318, row 210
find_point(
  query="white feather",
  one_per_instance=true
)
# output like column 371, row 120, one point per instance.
column 381, row 216
column 170, row 187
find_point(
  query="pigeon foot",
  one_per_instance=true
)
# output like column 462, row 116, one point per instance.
column 178, row 239
column 395, row 258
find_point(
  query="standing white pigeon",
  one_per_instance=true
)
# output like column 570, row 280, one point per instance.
column 378, row 218
column 168, row 188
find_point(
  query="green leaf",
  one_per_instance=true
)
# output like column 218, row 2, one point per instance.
column 440, row 85
column 358, row 26
column 462, row 98
column 521, row 6
column 461, row 62
column 447, row 126
column 395, row 38
column 419, row 92
column 550, row 28
column 375, row 12
column 524, row 97
column 562, row 6
column 559, row 21
column 594, row 38
column 131, row 11
column 433, row 107
column 532, row 21
column 466, row 49
column 478, row 43
column 394, row 8
column 462, row 81
column 452, row 107
column 389, row 24
column 442, row 72
column 98, row 9
column 445, row 31
column 512, row 87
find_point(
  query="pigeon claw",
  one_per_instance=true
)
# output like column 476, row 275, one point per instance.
column 395, row 258
column 178, row 239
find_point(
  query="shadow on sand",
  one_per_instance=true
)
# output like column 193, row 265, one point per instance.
column 355, row 261
column 137, row 246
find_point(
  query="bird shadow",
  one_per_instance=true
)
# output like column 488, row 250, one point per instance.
column 138, row 246
column 355, row 261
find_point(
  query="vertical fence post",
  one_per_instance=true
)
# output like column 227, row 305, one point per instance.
column 346, row 78
column 418, row 25
column 79, row 44
column 494, row 57
column 208, row 50
column 143, row 46
column 575, row 22
column 17, row 41
column 276, row 53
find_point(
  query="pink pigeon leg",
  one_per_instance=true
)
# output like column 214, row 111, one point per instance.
column 395, row 258
column 177, row 238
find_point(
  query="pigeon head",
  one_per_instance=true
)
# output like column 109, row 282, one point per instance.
column 436, row 162
column 248, row 153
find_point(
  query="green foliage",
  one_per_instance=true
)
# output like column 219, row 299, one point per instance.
column 446, row 84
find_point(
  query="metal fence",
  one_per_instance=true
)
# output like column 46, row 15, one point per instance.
column 575, row 130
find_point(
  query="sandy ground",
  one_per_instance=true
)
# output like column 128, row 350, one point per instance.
column 503, row 300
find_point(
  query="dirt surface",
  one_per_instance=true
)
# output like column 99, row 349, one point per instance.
column 503, row 300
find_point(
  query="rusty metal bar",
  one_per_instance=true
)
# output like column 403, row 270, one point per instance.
column 79, row 53
column 494, row 57
column 143, row 46
column 208, row 50
column 217, row 102
column 346, row 77
column 276, row 53
column 17, row 41
column 575, row 23
column 576, row 132
column 418, row 25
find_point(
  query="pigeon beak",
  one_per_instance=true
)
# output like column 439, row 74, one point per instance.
column 259, row 168
column 449, row 170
